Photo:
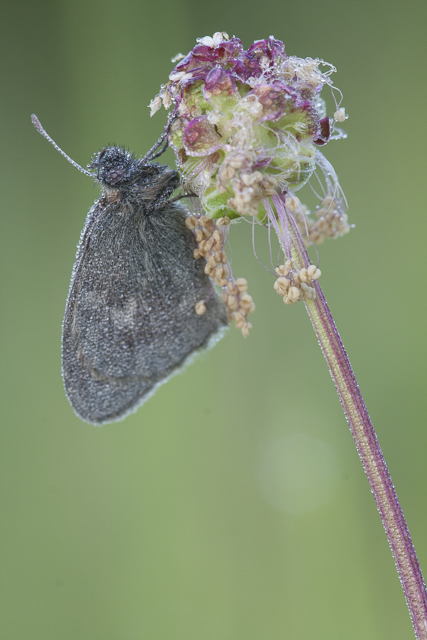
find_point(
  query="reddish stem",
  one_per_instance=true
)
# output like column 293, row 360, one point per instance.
column 368, row 447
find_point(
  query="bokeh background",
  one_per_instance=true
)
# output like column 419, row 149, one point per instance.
column 232, row 506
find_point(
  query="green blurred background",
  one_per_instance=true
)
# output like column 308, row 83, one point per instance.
column 232, row 506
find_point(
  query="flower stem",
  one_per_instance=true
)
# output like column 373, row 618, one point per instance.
column 370, row 453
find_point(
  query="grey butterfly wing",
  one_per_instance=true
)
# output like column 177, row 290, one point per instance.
column 130, row 320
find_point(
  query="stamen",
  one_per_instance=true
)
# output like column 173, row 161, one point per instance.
column 200, row 308
column 211, row 236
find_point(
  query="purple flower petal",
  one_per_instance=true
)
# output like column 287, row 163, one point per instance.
column 273, row 97
column 204, row 56
column 200, row 137
column 184, row 65
column 247, row 66
column 228, row 50
column 197, row 74
column 219, row 81
column 220, row 54
column 203, row 53
column 240, row 70
column 271, row 48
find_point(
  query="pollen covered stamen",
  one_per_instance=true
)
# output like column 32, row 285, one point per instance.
column 200, row 308
column 296, row 286
column 211, row 236
column 249, row 186
column 249, row 190
column 332, row 221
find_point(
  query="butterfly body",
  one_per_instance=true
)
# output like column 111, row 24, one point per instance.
column 130, row 319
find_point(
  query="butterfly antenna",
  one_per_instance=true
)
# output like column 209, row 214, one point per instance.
column 36, row 123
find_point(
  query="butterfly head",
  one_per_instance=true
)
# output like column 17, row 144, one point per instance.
column 118, row 170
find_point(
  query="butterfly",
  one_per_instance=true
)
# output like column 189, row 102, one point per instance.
column 130, row 320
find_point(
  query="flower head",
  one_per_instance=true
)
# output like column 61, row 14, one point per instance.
column 248, row 121
column 247, row 130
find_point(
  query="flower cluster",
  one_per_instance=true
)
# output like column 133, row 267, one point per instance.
column 246, row 127
column 248, row 123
